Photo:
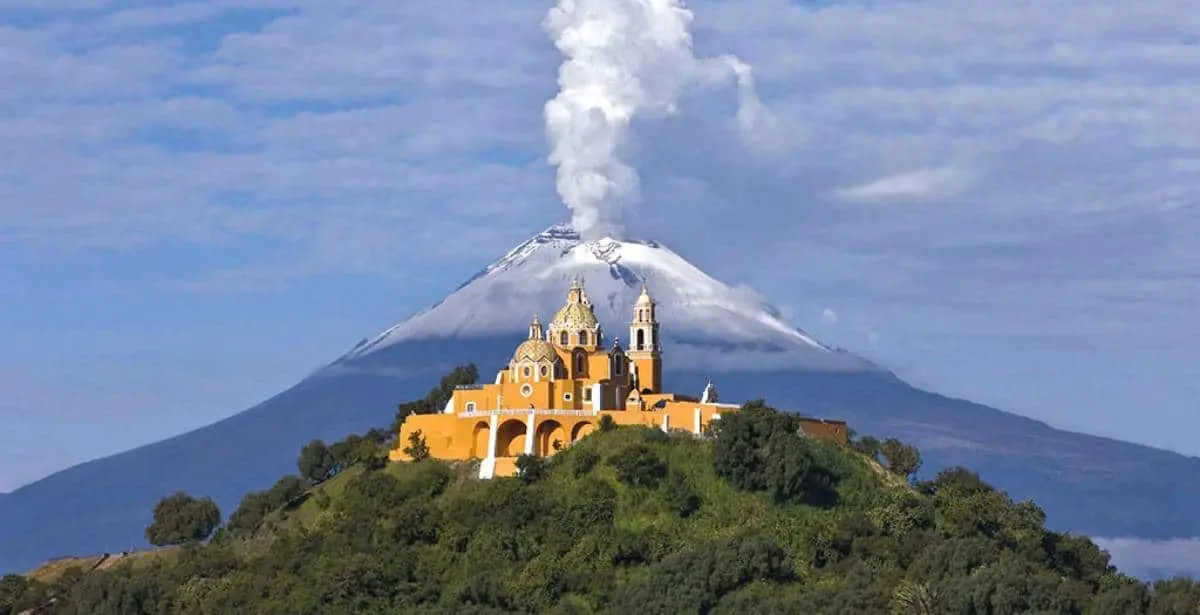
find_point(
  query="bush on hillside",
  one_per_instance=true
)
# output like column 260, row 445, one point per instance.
column 181, row 519
column 19, row 594
column 316, row 463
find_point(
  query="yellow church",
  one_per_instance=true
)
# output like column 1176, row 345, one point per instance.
column 557, row 386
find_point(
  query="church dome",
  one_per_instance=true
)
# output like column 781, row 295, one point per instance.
column 535, row 350
column 575, row 316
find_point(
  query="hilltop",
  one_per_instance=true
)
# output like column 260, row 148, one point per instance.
column 752, row 518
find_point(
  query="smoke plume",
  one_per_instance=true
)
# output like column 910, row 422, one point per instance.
column 623, row 58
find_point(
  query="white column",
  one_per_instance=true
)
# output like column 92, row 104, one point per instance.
column 529, row 432
column 597, row 403
column 492, row 437
column 696, row 427
column 487, row 467
column 666, row 426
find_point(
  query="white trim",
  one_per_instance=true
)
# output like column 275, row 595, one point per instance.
column 696, row 426
column 530, row 422
column 520, row 412
column 487, row 468
column 597, row 391
column 666, row 424
column 526, row 390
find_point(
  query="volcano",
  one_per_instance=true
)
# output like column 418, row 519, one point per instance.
column 710, row 331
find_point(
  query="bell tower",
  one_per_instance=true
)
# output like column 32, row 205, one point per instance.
column 644, row 351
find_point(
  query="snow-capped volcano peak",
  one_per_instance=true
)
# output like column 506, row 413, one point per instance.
column 695, row 310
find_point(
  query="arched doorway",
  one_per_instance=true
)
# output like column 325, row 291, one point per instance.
column 510, row 438
column 548, row 433
column 581, row 430
column 479, row 440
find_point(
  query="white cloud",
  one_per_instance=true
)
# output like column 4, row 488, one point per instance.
column 1154, row 558
column 829, row 317
column 922, row 184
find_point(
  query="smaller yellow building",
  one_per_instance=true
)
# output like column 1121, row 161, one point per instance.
column 560, row 381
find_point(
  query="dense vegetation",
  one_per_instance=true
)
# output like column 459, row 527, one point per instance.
column 754, row 518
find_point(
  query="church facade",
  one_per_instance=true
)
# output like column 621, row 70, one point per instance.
column 558, row 384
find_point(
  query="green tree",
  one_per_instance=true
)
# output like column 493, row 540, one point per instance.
column 255, row 507
column 417, row 448
column 607, row 423
column 180, row 519
column 19, row 594
column 530, row 468
column 680, row 495
column 316, row 463
column 902, row 459
column 915, row 598
column 638, row 466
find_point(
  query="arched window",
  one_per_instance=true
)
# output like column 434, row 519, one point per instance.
column 583, row 338
column 580, row 363
column 545, row 370
column 525, row 371
column 564, row 339
column 641, row 339
column 617, row 366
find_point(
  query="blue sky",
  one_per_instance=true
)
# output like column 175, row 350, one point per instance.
column 202, row 202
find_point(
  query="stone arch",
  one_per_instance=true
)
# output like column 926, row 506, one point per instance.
column 582, row 429
column 510, row 438
column 547, row 432
column 479, row 440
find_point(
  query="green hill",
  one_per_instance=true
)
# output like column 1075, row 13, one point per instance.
column 755, row 518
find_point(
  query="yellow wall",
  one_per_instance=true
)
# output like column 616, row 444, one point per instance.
column 460, row 437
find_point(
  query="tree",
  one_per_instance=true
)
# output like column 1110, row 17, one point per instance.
column 19, row 594
column 902, row 459
column 316, row 462
column 530, row 468
column 181, row 519
column 417, row 449
column 915, row 598
column 638, row 466
column 607, row 423
column 680, row 495
column 867, row 445
column 255, row 506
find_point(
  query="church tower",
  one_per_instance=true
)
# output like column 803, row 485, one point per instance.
column 644, row 351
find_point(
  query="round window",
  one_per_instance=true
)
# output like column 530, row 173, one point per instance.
column 526, row 390
column 525, row 372
column 545, row 370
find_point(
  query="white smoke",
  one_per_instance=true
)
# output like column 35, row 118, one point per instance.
column 623, row 58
